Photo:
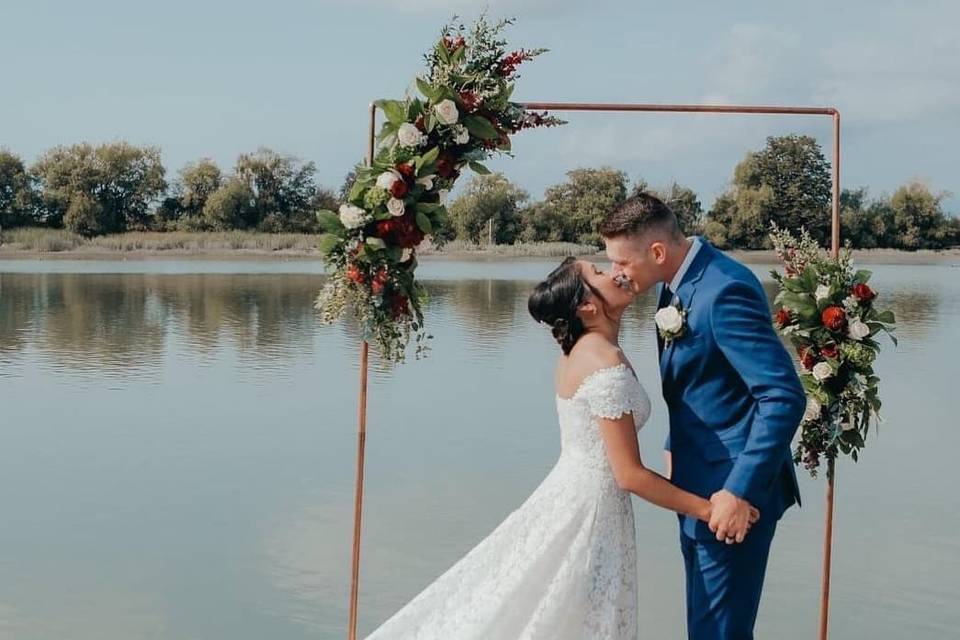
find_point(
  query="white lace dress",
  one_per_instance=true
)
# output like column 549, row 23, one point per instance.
column 562, row 566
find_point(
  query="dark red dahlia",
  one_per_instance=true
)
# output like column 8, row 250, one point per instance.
column 830, row 351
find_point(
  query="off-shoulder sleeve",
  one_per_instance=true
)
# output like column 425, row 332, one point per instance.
column 611, row 392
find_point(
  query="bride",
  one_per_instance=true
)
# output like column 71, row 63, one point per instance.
column 563, row 565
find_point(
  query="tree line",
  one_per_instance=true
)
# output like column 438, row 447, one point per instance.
column 116, row 187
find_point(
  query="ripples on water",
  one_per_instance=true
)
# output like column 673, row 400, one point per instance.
column 179, row 448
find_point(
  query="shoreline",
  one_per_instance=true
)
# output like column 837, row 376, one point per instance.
column 950, row 257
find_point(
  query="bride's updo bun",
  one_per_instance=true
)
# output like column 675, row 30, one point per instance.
column 555, row 302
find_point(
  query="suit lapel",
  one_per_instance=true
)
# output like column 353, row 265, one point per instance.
column 685, row 293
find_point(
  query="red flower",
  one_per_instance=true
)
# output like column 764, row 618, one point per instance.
column 782, row 318
column 446, row 167
column 830, row 351
column 511, row 61
column 399, row 188
column 386, row 228
column 354, row 274
column 469, row 99
column 379, row 281
column 863, row 293
column 399, row 305
column 834, row 318
column 406, row 170
column 807, row 359
column 419, row 123
column 452, row 44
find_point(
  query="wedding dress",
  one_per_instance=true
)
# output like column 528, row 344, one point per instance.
column 563, row 565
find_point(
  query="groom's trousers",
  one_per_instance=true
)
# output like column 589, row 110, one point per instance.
column 724, row 583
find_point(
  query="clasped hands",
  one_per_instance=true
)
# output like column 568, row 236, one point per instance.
column 731, row 517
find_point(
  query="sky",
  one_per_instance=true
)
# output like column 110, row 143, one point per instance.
column 204, row 78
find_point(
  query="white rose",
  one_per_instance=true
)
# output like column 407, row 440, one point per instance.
column 426, row 181
column 823, row 292
column 813, row 409
column 669, row 319
column 443, row 193
column 377, row 243
column 461, row 135
column 409, row 136
column 395, row 207
column 351, row 216
column 406, row 255
column 822, row 371
column 858, row 329
column 850, row 304
column 386, row 179
column 447, row 112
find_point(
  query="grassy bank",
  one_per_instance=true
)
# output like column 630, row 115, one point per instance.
column 57, row 243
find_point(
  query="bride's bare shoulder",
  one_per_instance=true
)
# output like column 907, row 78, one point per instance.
column 590, row 354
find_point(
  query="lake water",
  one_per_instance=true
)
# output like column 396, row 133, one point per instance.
column 178, row 447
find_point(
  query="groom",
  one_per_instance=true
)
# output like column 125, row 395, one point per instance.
column 735, row 402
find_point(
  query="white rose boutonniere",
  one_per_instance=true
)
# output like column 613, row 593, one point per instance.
column 671, row 322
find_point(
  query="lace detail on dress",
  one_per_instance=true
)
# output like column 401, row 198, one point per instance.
column 563, row 565
column 613, row 391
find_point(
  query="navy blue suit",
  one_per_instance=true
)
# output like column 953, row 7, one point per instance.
column 735, row 402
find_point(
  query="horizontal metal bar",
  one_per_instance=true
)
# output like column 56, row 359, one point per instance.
column 678, row 108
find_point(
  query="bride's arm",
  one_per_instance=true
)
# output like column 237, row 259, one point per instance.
column 623, row 452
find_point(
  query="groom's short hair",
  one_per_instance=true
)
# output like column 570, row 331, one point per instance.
column 639, row 214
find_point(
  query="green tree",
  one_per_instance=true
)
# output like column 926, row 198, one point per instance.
column 197, row 182
column 488, row 198
column 230, row 207
column 17, row 196
column 283, row 190
column 683, row 201
column 122, row 179
column 787, row 182
column 918, row 219
column 582, row 202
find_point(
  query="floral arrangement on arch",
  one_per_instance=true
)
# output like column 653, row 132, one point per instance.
column 827, row 310
column 462, row 117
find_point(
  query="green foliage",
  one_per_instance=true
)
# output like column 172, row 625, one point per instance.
column 787, row 182
column 573, row 210
column 231, row 206
column 488, row 198
column 116, row 182
column 18, row 203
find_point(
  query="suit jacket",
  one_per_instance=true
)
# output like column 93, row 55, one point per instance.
column 732, row 391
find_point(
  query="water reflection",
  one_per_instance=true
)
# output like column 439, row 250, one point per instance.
column 121, row 323
column 211, row 480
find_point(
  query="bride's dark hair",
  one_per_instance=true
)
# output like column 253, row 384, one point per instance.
column 555, row 302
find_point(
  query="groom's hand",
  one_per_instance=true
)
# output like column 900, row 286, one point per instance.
column 731, row 517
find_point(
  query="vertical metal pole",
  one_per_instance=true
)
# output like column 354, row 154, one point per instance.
column 831, row 464
column 361, row 441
